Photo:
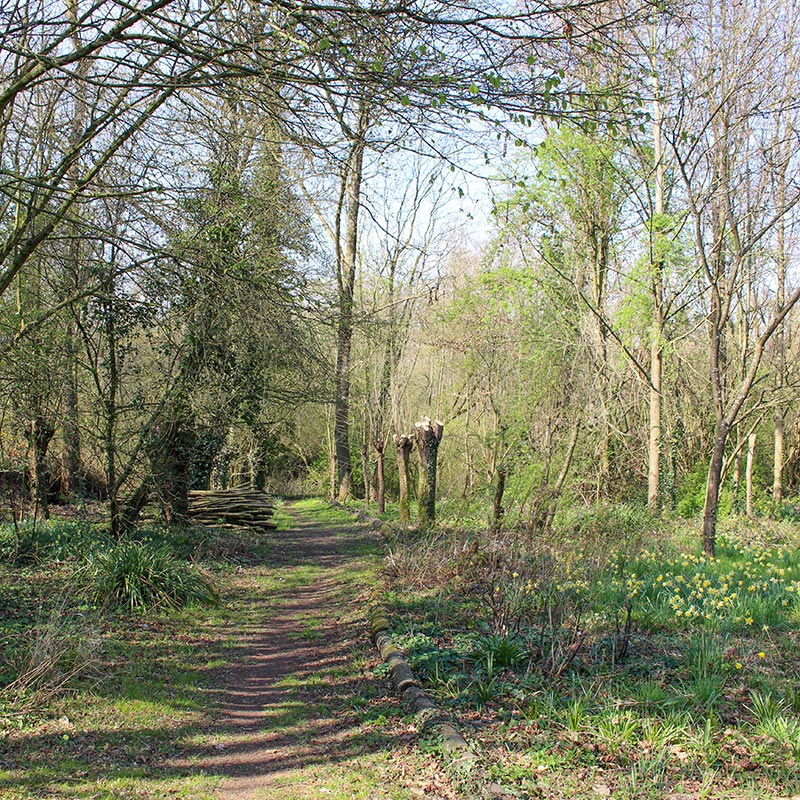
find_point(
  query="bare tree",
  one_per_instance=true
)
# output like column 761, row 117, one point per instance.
column 720, row 145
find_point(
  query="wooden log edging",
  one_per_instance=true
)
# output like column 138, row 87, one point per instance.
column 431, row 717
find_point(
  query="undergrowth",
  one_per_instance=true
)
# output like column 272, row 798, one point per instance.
column 139, row 576
column 611, row 658
column 61, row 580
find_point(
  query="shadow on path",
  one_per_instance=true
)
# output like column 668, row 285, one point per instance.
column 291, row 693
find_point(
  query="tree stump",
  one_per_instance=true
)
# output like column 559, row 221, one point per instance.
column 427, row 434
column 403, row 444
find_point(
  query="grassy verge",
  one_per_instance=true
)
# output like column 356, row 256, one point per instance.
column 613, row 660
column 108, row 659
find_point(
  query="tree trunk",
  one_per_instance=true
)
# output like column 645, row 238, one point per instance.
column 71, row 473
column 403, row 444
column 736, row 478
column 780, row 300
column 751, row 452
column 654, row 446
column 171, row 453
column 346, row 274
column 381, row 475
column 498, row 512
column 365, row 473
column 427, row 434
column 558, row 488
column 39, row 432
column 110, row 408
column 777, row 483
column 132, row 509
column 657, row 333
column 331, row 459
column 712, row 488
column 344, row 468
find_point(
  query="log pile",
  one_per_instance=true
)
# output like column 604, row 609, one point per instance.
column 231, row 508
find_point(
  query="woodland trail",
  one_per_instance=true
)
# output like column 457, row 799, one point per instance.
column 301, row 716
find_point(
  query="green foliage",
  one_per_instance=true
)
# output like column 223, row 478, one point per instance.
column 63, row 644
column 138, row 576
column 42, row 540
column 505, row 652
column 788, row 510
column 764, row 706
column 617, row 525
column 691, row 493
column 317, row 480
column 693, row 623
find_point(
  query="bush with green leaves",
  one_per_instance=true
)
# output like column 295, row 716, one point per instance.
column 139, row 576
column 604, row 525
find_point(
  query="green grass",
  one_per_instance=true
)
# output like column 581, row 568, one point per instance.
column 139, row 576
column 322, row 511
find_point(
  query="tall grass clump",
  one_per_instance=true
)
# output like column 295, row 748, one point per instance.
column 140, row 576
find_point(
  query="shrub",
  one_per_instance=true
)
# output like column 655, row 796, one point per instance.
column 140, row 576
column 605, row 524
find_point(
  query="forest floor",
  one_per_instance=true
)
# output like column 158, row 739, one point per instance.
column 657, row 674
column 271, row 695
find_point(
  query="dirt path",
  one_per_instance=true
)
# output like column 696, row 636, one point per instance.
column 301, row 715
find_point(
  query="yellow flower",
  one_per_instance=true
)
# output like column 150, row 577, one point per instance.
column 738, row 665
column 762, row 654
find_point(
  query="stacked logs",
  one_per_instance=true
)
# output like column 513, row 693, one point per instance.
column 232, row 508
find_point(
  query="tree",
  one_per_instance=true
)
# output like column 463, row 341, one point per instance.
column 716, row 137
column 567, row 217
column 137, row 65
column 403, row 444
column 427, row 436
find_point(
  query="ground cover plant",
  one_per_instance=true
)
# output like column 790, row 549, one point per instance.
column 611, row 659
